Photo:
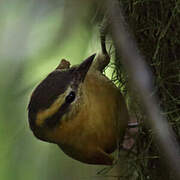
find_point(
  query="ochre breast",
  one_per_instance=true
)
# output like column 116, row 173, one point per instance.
column 95, row 123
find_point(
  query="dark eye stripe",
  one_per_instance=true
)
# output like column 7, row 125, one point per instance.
column 52, row 121
column 55, row 118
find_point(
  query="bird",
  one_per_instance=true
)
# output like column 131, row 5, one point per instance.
column 81, row 110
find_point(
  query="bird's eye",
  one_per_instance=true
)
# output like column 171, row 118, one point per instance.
column 70, row 98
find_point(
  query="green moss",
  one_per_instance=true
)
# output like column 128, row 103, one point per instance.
column 155, row 26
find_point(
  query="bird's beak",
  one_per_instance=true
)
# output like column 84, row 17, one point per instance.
column 84, row 67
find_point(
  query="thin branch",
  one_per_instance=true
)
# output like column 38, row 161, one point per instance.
column 103, row 32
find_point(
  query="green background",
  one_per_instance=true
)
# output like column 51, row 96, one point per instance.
column 29, row 50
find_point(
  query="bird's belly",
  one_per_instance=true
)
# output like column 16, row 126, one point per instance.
column 95, row 125
column 91, row 134
column 88, row 132
column 83, row 145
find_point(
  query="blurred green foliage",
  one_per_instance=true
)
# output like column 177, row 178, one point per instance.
column 29, row 50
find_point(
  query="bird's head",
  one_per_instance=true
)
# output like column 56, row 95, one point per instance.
column 55, row 98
